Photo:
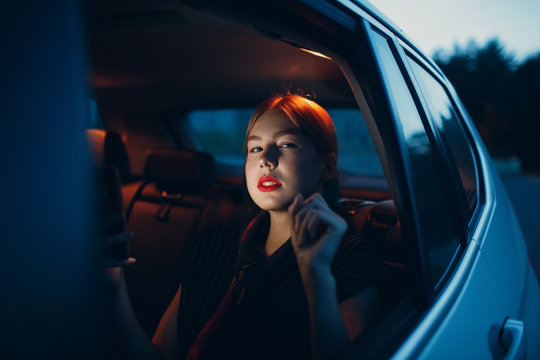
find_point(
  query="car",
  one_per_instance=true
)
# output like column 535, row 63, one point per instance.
column 168, row 88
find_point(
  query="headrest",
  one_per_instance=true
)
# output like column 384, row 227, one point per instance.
column 107, row 148
column 180, row 171
column 383, row 226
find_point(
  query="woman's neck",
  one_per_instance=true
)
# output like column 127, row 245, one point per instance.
column 279, row 233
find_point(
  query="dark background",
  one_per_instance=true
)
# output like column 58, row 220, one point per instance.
column 502, row 97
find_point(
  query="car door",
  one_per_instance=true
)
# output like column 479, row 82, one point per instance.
column 466, row 230
column 501, row 243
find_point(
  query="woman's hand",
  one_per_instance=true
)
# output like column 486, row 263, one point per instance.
column 315, row 234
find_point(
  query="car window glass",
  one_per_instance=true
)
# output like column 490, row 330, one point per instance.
column 448, row 124
column 221, row 133
column 438, row 226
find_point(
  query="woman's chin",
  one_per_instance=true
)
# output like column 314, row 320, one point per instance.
column 273, row 204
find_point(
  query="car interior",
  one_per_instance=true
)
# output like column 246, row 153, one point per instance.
column 156, row 71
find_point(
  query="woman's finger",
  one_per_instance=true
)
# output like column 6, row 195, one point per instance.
column 298, row 229
column 317, row 223
column 294, row 208
column 316, row 201
column 308, row 225
column 311, row 221
column 300, row 218
column 322, row 223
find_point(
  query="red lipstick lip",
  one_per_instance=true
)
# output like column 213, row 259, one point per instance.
column 268, row 179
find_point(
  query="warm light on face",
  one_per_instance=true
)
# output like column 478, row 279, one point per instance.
column 316, row 53
column 280, row 163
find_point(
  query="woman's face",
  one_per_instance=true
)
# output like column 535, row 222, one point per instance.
column 281, row 163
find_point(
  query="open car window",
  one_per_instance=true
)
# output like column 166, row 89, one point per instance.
column 221, row 133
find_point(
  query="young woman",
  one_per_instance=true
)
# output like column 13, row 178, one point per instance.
column 294, row 283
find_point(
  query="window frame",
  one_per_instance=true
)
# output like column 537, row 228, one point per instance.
column 431, row 292
column 470, row 222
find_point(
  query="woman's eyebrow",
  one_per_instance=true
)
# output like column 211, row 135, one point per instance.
column 289, row 131
column 253, row 137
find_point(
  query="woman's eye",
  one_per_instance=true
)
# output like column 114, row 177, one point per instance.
column 288, row 145
column 255, row 149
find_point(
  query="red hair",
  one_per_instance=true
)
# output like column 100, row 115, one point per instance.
column 306, row 115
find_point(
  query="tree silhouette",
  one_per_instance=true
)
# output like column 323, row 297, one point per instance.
column 502, row 97
column 528, row 111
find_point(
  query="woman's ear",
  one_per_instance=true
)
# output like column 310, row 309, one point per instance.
column 330, row 166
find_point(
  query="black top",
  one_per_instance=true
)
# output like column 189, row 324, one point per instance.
column 271, row 321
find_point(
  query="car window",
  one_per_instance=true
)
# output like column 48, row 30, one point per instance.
column 221, row 133
column 449, row 126
column 437, row 224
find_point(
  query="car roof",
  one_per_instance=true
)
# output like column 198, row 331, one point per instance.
column 168, row 55
column 148, row 55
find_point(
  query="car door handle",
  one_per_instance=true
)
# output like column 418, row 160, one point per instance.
column 513, row 339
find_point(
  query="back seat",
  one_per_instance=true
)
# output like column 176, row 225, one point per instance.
column 178, row 198
column 378, row 222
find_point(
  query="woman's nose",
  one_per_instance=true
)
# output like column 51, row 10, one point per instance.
column 268, row 159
